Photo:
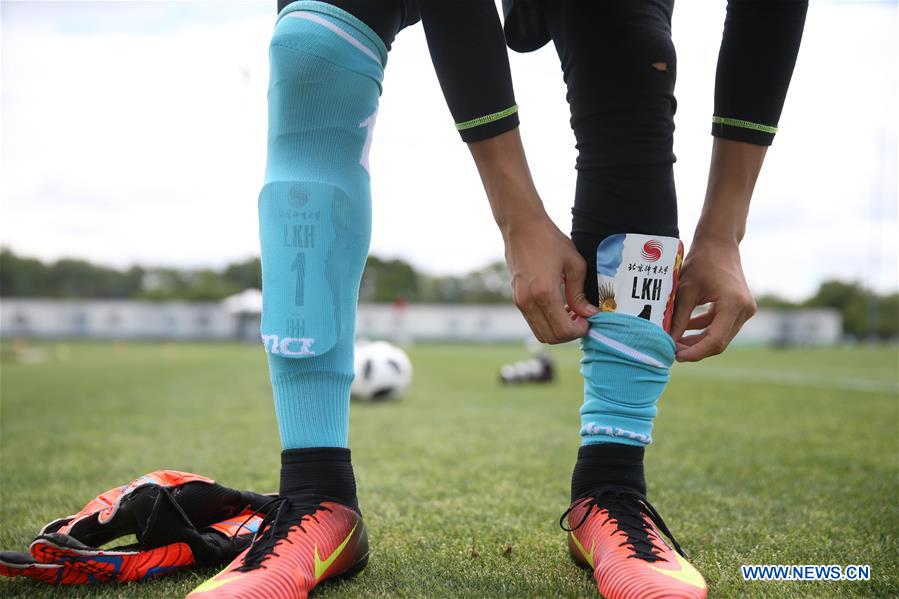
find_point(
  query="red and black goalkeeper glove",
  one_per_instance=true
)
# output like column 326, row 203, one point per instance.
column 180, row 520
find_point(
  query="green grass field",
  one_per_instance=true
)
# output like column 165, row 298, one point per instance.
column 760, row 457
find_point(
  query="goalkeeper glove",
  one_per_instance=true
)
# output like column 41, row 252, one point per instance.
column 180, row 520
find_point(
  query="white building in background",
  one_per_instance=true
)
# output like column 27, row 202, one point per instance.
column 238, row 318
column 245, row 310
column 808, row 326
column 114, row 319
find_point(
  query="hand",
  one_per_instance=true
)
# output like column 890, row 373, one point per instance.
column 712, row 272
column 542, row 260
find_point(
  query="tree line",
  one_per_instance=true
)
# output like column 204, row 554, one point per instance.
column 382, row 281
column 865, row 313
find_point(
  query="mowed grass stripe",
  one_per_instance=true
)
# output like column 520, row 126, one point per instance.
column 462, row 481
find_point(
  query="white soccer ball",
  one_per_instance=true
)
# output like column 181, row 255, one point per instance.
column 383, row 371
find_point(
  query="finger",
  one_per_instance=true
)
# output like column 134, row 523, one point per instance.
column 539, row 324
column 684, row 303
column 701, row 321
column 523, row 310
column 574, row 272
column 564, row 328
column 532, row 314
column 537, row 328
column 580, row 328
column 549, row 299
column 715, row 338
column 747, row 310
column 691, row 340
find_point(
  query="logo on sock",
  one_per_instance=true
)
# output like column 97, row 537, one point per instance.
column 591, row 428
column 298, row 196
column 288, row 346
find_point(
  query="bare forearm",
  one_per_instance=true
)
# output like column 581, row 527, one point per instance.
column 507, row 180
column 541, row 259
column 734, row 169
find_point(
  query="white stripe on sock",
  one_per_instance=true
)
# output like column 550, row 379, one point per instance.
column 301, row 14
column 626, row 349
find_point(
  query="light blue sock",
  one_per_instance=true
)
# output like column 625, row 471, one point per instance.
column 625, row 368
column 315, row 214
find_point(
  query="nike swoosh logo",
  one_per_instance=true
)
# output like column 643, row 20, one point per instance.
column 321, row 566
column 687, row 573
column 214, row 583
column 587, row 556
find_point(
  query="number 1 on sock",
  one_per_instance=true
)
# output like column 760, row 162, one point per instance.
column 299, row 266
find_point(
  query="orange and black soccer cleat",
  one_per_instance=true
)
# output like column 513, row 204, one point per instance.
column 298, row 546
column 616, row 533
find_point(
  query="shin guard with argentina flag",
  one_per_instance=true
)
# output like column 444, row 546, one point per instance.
column 627, row 353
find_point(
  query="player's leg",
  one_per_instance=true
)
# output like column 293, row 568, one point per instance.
column 315, row 226
column 619, row 66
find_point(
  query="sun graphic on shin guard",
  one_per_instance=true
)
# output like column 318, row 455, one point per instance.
column 607, row 298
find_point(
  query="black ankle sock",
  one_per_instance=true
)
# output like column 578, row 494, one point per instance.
column 316, row 474
column 605, row 464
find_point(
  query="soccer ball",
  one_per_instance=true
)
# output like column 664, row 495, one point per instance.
column 383, row 371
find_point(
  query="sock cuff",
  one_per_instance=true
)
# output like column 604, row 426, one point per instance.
column 305, row 455
column 338, row 13
column 607, row 452
column 630, row 337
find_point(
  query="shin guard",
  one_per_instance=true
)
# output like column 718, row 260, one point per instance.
column 627, row 352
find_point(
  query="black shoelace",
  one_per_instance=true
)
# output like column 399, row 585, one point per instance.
column 628, row 509
column 282, row 515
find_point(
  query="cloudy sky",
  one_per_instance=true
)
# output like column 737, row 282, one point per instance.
column 133, row 132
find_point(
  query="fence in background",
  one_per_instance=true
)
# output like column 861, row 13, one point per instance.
column 130, row 319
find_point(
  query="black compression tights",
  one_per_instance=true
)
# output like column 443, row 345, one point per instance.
column 619, row 65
